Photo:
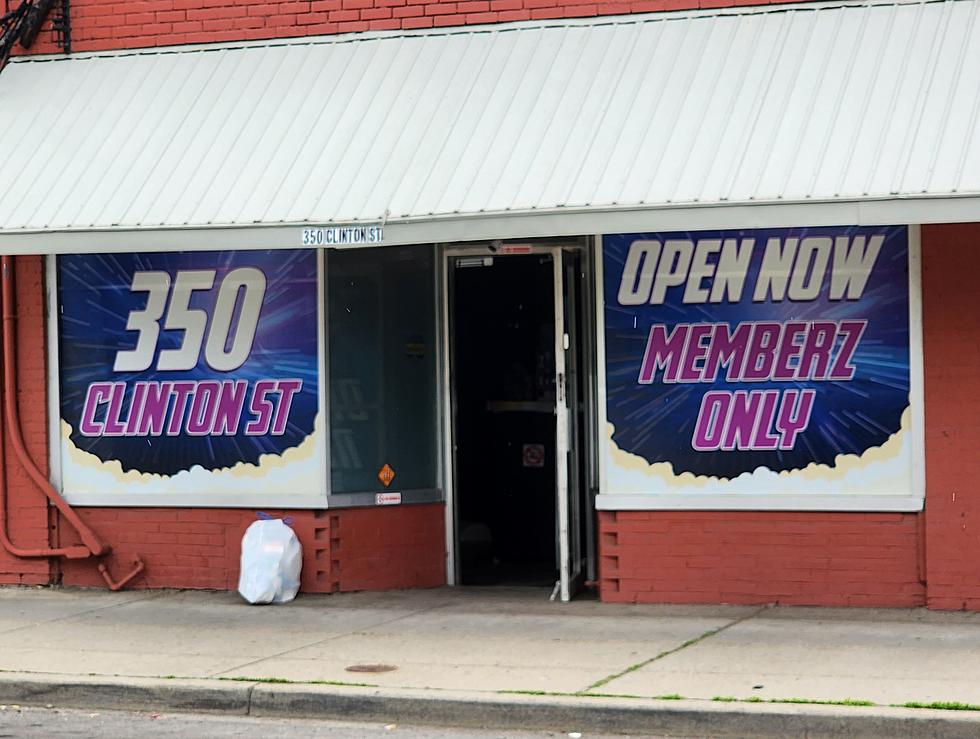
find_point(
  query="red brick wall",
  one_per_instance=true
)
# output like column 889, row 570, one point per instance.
column 27, row 509
column 351, row 549
column 826, row 559
column 112, row 24
column 951, row 338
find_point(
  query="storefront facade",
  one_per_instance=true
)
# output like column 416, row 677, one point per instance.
column 454, row 304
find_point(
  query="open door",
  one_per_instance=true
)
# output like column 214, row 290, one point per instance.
column 516, row 410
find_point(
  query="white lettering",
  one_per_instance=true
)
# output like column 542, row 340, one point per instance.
column 777, row 261
column 852, row 266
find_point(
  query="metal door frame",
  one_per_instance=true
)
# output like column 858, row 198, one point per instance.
column 497, row 250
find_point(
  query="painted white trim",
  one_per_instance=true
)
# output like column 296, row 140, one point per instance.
column 197, row 500
column 916, row 365
column 51, row 339
column 562, row 440
column 557, row 222
column 322, row 360
column 588, row 375
column 775, row 502
column 446, row 388
column 600, row 366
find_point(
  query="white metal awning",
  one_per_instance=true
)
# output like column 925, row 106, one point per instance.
column 805, row 114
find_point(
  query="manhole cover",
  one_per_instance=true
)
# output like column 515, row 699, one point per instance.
column 371, row 668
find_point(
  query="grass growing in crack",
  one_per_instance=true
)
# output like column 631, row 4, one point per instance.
column 284, row 681
column 667, row 653
column 610, row 695
column 584, row 694
column 801, row 701
column 941, row 705
column 809, row 701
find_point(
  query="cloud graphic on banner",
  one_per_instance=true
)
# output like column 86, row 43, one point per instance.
column 288, row 473
column 882, row 470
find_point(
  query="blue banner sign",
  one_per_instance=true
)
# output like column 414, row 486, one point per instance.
column 779, row 349
column 174, row 362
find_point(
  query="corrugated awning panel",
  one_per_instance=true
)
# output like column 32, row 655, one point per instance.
column 797, row 104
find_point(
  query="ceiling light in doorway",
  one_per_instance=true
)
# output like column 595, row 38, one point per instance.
column 474, row 262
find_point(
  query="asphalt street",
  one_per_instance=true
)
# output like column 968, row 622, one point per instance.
column 56, row 723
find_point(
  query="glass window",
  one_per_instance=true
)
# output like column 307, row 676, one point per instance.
column 383, row 368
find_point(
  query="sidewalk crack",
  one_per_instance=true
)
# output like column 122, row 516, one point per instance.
column 248, row 699
column 325, row 640
column 689, row 643
column 78, row 614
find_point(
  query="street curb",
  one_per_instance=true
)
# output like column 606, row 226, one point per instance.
column 96, row 691
column 485, row 710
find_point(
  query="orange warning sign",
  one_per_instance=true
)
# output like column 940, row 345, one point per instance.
column 386, row 475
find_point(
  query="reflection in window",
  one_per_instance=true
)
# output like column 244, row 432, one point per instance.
column 383, row 370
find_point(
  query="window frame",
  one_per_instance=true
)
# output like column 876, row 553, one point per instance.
column 844, row 500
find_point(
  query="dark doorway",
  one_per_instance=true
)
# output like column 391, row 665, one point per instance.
column 503, row 363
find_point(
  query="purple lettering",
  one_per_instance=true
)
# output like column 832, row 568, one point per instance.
column 154, row 411
column 742, row 420
column 695, row 351
column 817, row 347
column 97, row 393
column 794, row 415
column 288, row 388
column 762, row 439
column 663, row 353
column 852, row 331
column 180, row 392
column 762, row 352
column 135, row 407
column 230, row 406
column 261, row 408
column 788, row 349
column 112, row 425
column 200, row 420
column 710, row 425
column 727, row 349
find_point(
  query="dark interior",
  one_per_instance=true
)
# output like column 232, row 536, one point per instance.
column 504, row 391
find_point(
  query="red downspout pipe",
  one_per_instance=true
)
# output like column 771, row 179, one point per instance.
column 11, row 416
column 76, row 552
column 93, row 546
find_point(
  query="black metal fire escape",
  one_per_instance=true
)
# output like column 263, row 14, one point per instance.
column 24, row 22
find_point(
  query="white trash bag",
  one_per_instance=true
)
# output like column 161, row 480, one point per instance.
column 271, row 561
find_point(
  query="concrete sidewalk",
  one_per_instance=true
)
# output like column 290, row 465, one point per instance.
column 498, row 658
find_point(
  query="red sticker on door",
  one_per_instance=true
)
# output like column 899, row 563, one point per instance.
column 533, row 455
